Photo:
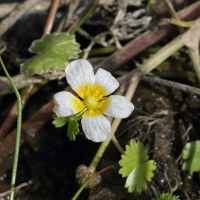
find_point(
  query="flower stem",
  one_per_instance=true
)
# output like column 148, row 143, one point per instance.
column 103, row 146
column 19, row 122
column 194, row 56
column 173, row 13
column 161, row 55
column 129, row 94
column 181, row 23
column 117, row 145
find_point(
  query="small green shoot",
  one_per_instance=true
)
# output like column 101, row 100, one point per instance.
column 73, row 125
column 191, row 155
column 136, row 167
column 166, row 196
column 53, row 50
column 19, row 123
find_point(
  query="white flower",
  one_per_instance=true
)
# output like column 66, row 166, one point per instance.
column 94, row 102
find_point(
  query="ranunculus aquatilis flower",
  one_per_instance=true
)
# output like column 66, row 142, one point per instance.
column 94, row 102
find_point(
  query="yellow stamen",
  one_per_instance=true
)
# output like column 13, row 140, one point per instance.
column 103, row 105
column 77, row 104
column 98, row 111
column 81, row 112
column 90, row 113
column 94, row 100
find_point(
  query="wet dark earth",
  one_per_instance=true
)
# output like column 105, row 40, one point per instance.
column 48, row 159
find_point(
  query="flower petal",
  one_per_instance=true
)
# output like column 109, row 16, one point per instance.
column 80, row 76
column 67, row 104
column 105, row 79
column 117, row 106
column 97, row 128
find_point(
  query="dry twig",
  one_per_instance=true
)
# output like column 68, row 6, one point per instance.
column 172, row 84
column 14, row 189
column 51, row 17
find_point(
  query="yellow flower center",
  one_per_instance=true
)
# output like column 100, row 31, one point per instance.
column 94, row 102
column 91, row 102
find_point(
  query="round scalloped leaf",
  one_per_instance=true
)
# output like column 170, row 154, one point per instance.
column 136, row 167
column 53, row 50
column 135, row 154
column 191, row 155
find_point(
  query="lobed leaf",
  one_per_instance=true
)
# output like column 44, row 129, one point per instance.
column 73, row 124
column 191, row 155
column 136, row 167
column 53, row 50
column 59, row 121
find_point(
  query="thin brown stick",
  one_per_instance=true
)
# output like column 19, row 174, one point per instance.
column 20, row 80
column 186, row 88
column 14, row 189
column 51, row 17
column 172, row 84
column 88, row 49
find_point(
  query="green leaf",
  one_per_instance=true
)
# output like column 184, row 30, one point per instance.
column 136, row 167
column 73, row 125
column 166, row 196
column 53, row 50
column 191, row 155
column 59, row 121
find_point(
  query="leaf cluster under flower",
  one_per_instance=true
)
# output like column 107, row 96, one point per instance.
column 73, row 126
